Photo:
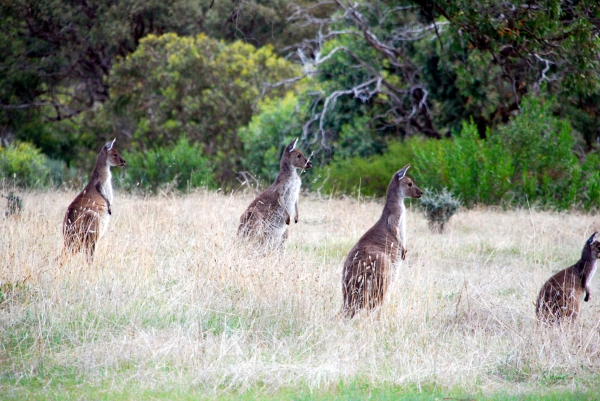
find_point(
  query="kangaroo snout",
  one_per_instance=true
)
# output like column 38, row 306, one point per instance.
column 419, row 193
column 308, row 164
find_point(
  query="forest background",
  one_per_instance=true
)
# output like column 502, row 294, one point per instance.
column 496, row 101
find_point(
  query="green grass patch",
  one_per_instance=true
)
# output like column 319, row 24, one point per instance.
column 69, row 386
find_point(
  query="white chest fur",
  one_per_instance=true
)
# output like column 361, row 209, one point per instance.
column 402, row 224
column 291, row 192
column 590, row 276
column 106, row 188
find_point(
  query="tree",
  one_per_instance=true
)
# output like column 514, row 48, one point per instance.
column 56, row 55
column 196, row 87
column 487, row 54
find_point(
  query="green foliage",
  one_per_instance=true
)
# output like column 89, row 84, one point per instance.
column 268, row 133
column 438, row 208
column 479, row 170
column 530, row 160
column 24, row 165
column 532, row 31
column 370, row 175
column 196, row 87
column 352, row 128
column 589, row 182
column 181, row 166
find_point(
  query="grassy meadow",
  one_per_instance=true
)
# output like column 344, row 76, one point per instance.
column 173, row 308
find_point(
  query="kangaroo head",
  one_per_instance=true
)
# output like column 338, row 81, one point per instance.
column 591, row 249
column 295, row 157
column 404, row 186
column 113, row 157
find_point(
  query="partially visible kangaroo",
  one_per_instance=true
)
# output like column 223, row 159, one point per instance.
column 88, row 215
column 265, row 221
column 560, row 297
column 370, row 265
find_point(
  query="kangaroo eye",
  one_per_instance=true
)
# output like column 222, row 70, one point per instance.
column 299, row 156
column 410, row 184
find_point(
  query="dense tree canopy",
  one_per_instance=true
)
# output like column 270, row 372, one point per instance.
column 240, row 78
column 435, row 63
column 196, row 87
column 56, row 55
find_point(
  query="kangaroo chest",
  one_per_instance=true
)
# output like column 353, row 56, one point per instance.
column 106, row 188
column 590, row 275
column 291, row 192
column 402, row 227
column 397, row 225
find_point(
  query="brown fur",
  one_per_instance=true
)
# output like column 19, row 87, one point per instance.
column 87, row 216
column 560, row 297
column 265, row 220
column 370, row 265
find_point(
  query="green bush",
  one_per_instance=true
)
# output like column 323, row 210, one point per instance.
column 182, row 166
column 529, row 160
column 589, row 182
column 371, row 175
column 479, row 170
column 268, row 133
column 23, row 165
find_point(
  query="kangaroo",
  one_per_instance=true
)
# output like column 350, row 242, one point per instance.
column 88, row 215
column 560, row 297
column 370, row 266
column 265, row 221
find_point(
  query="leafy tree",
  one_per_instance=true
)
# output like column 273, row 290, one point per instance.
column 197, row 87
column 268, row 133
column 181, row 166
column 433, row 64
column 56, row 55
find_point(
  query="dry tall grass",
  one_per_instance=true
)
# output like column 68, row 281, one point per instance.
column 172, row 302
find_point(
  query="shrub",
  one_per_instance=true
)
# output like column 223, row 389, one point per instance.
column 182, row 166
column 371, row 175
column 268, row 133
column 438, row 208
column 14, row 204
column 197, row 87
column 24, row 165
column 529, row 160
column 479, row 170
column 589, row 182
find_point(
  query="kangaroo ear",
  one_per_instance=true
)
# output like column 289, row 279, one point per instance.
column 593, row 238
column 110, row 145
column 292, row 145
column 402, row 172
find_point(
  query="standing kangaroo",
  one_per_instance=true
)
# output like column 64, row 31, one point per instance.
column 560, row 297
column 88, row 215
column 265, row 221
column 370, row 265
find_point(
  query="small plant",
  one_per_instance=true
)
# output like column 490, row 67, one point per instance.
column 181, row 166
column 24, row 165
column 14, row 204
column 438, row 208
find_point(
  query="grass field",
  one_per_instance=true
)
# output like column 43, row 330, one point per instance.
column 172, row 308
